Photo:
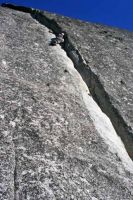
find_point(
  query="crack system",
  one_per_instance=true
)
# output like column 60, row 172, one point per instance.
column 91, row 79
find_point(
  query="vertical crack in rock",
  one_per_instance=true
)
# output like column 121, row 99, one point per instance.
column 14, row 167
column 91, row 79
column 15, row 175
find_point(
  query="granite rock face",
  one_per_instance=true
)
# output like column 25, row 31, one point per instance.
column 55, row 142
column 106, row 65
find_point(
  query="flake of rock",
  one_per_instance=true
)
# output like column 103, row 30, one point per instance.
column 108, row 69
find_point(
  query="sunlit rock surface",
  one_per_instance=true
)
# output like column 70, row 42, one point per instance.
column 55, row 142
column 108, row 70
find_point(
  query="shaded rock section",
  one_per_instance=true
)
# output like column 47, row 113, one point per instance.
column 51, row 147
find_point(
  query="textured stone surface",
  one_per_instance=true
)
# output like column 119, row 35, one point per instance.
column 54, row 141
column 108, row 55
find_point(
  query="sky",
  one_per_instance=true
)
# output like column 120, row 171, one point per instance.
column 116, row 13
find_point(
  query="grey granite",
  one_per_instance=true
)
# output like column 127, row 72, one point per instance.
column 104, row 57
column 50, row 147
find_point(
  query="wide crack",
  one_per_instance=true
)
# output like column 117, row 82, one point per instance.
column 91, row 79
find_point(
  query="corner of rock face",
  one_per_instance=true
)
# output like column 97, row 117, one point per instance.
column 63, row 109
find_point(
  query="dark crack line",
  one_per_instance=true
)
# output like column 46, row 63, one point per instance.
column 15, row 178
column 91, row 79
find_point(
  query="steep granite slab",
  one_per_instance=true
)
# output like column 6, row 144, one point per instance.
column 51, row 147
column 104, row 57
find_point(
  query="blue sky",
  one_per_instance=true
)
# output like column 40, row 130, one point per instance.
column 118, row 13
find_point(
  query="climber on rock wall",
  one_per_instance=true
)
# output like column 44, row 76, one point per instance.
column 58, row 40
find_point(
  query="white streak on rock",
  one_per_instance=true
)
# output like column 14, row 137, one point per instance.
column 4, row 62
column 13, row 124
column 101, row 121
column 2, row 116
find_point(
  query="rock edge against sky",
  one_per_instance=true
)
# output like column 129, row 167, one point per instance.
column 56, row 143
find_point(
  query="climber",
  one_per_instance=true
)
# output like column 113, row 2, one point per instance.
column 58, row 40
